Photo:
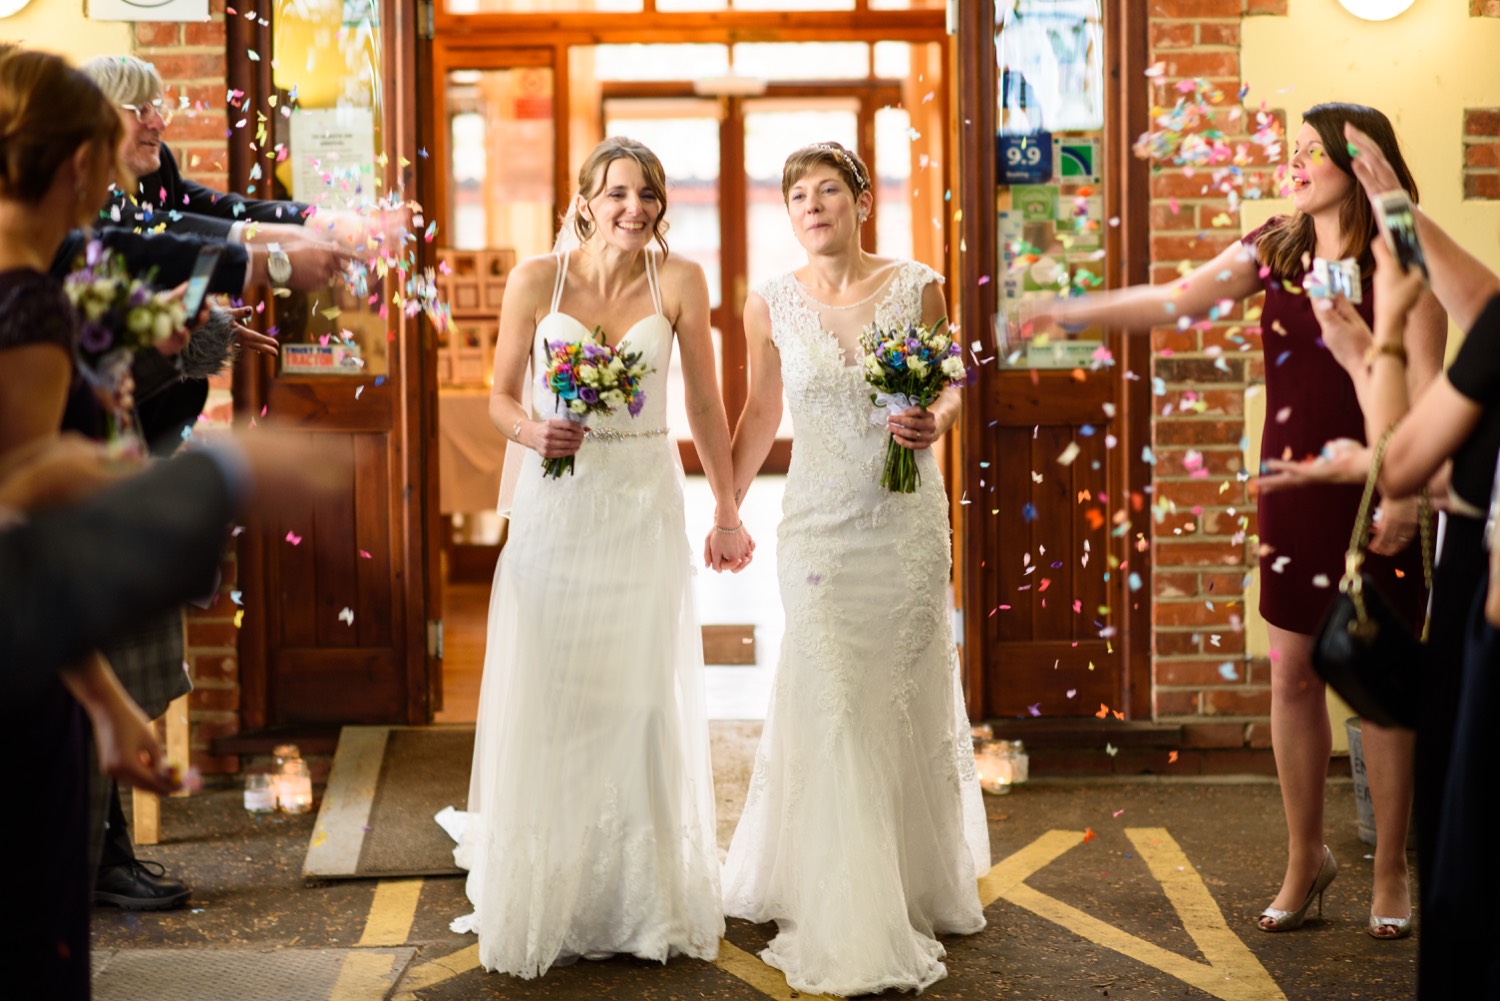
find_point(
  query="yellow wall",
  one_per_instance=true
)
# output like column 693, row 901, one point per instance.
column 59, row 26
column 1422, row 69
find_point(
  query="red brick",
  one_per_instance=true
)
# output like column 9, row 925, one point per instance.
column 1198, row 431
column 1220, row 462
column 204, row 33
column 1172, row 35
column 1224, row 642
column 214, row 699
column 1223, row 584
column 1174, row 585
column 1237, row 702
column 215, row 666
column 1176, row 703
column 1260, row 671
column 1236, row 762
column 1275, row 8
column 222, row 635
column 1209, row 211
column 1173, row 642
column 1203, row 64
column 1213, row 735
column 1174, row 340
column 1194, row 8
column 1258, row 735
column 150, row 34
column 1193, row 371
column 183, row 67
column 1164, row 274
column 1222, row 33
column 1188, row 673
column 1240, row 342
column 1482, row 121
column 1482, row 155
column 1484, row 8
column 198, row 128
column 209, row 730
column 1195, row 613
column 1197, row 554
column 1187, row 493
column 1216, row 522
column 1230, row 402
column 1485, row 186
column 1193, row 248
column 208, row 764
column 1172, row 182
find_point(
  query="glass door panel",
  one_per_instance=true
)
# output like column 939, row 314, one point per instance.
column 684, row 134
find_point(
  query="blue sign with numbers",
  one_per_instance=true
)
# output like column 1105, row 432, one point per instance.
column 1024, row 159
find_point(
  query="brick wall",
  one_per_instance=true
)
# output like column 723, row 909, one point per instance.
column 1484, row 8
column 1204, row 541
column 191, row 60
column 1482, row 150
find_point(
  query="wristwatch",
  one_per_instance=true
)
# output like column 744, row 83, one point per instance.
column 278, row 265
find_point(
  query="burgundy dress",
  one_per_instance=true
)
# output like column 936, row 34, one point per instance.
column 1304, row 532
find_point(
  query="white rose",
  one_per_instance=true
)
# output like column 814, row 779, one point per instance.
column 917, row 365
column 872, row 365
column 940, row 344
column 588, row 375
column 95, row 309
column 613, row 398
column 637, row 371
column 953, row 367
column 578, row 407
column 163, row 327
column 137, row 321
column 616, row 365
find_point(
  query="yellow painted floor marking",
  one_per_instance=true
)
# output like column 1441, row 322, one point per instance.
column 391, row 912
column 1232, row 972
column 364, row 975
column 435, row 971
column 748, row 967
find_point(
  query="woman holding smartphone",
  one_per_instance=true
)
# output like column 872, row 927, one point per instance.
column 1310, row 400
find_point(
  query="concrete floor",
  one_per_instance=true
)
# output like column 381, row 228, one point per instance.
column 1114, row 889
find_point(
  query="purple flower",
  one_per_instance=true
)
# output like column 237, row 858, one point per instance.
column 637, row 402
column 588, row 394
column 94, row 338
column 93, row 253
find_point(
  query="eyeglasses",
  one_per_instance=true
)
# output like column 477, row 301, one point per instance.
column 143, row 112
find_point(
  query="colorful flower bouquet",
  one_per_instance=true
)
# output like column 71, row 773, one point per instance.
column 118, row 315
column 590, row 377
column 908, row 367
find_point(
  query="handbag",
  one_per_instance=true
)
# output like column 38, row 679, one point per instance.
column 1363, row 648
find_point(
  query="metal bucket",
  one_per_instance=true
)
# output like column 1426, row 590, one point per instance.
column 1363, row 807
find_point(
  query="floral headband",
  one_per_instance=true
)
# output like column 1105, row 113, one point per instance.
column 861, row 183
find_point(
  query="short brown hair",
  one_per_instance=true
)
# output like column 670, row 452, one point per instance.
column 596, row 165
column 1285, row 245
column 831, row 154
column 48, row 110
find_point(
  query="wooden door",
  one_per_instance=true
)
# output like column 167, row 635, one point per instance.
column 1055, row 562
column 335, row 628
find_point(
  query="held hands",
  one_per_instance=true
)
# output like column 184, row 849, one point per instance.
column 730, row 551
column 915, row 429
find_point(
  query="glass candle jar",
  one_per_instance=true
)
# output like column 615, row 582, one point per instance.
column 260, row 797
column 295, row 791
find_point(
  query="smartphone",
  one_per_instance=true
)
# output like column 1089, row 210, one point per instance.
column 1399, row 227
column 1330, row 278
column 197, row 283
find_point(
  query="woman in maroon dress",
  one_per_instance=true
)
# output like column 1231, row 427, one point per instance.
column 1304, row 534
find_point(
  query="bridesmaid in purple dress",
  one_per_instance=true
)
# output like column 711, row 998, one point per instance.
column 1303, row 534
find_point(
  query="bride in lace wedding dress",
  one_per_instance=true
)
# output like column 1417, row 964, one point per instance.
column 864, row 830
column 590, row 826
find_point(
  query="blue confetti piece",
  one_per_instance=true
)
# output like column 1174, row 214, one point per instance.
column 1135, row 581
column 1147, row 456
column 1282, row 357
column 1028, row 512
column 1228, row 672
column 380, row 380
column 237, row 597
column 1087, row 431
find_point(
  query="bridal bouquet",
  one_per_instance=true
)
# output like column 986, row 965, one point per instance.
column 590, row 377
column 908, row 367
column 118, row 315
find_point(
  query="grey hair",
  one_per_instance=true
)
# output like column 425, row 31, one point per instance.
column 124, row 79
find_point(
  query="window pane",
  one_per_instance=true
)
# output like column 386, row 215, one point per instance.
column 893, row 195
column 892, row 60
column 1051, row 60
column 803, row 60
column 906, row 4
column 792, row 4
column 539, row 6
column 677, row 6
column 659, row 62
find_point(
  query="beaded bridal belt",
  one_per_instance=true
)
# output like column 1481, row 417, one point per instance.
column 610, row 434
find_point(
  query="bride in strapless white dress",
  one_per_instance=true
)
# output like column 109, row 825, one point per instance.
column 864, row 830
column 590, row 822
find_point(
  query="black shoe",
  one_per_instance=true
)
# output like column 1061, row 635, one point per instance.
column 139, row 886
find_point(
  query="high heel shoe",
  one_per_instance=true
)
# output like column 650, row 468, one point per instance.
column 1399, row 927
column 1292, row 920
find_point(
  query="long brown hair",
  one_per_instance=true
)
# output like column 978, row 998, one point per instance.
column 1286, row 246
column 48, row 110
column 592, row 174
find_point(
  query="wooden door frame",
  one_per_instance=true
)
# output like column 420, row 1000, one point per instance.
column 1127, row 192
column 413, row 496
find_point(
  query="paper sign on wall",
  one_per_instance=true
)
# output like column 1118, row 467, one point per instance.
column 148, row 10
column 333, row 157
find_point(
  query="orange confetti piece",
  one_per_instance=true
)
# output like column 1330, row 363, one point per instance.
column 1171, row 757
column 1103, row 711
column 1088, row 835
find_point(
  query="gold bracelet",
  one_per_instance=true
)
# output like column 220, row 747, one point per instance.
column 1396, row 351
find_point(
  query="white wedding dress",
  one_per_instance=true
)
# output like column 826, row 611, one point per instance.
column 864, row 830
column 590, row 827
